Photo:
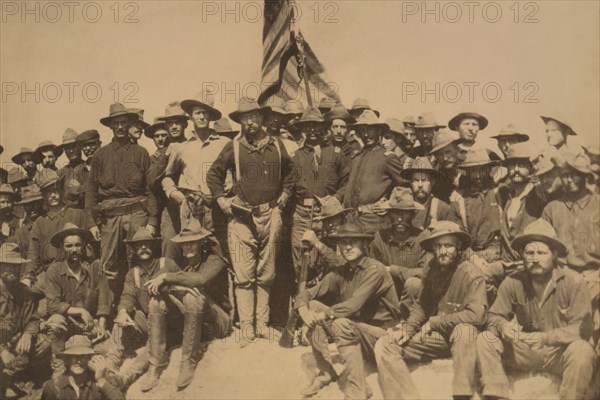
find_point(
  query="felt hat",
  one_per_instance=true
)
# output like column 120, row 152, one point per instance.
column 369, row 118
column 402, row 199
column 443, row 138
column 30, row 194
column 117, row 110
column 539, row 231
column 339, row 112
column 191, row 233
column 477, row 158
column 246, row 105
column 456, row 120
column 326, row 104
column 157, row 125
column 330, row 207
column 445, row 228
column 48, row 177
column 350, row 230
column 140, row 114
column 205, row 100
column 78, row 345
column 90, row 134
column 174, row 111
column 223, row 127
column 142, row 235
column 70, row 229
column 68, row 137
column 311, row 114
column 361, row 105
column 18, row 158
column 510, row 131
column 419, row 164
column 44, row 146
column 427, row 120
column 560, row 120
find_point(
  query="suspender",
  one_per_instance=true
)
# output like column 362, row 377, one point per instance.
column 433, row 210
column 236, row 158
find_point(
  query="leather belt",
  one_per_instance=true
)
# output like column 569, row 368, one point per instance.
column 124, row 209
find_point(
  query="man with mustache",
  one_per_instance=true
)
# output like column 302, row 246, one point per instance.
column 263, row 182
column 547, row 172
column 449, row 312
column 398, row 248
column 422, row 177
column 551, row 305
column 508, row 137
column 20, row 341
column 366, row 305
column 199, row 290
column 425, row 129
column 118, row 195
column 468, row 124
column 45, row 155
column 74, row 195
column 85, row 376
column 338, row 119
column 137, row 126
column 374, row 173
column 24, row 158
column 32, row 202
column 176, row 121
column 448, row 157
column 9, row 222
column 77, row 292
column 576, row 220
column 520, row 203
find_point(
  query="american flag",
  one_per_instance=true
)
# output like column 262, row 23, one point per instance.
column 281, row 71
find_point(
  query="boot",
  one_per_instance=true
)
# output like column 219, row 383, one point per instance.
column 245, row 306
column 190, row 349
column 319, row 382
column 262, row 311
column 157, row 343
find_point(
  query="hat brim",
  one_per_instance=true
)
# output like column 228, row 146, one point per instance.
column 355, row 112
column 490, row 163
column 106, row 120
column 14, row 260
column 343, row 211
column 190, row 238
column 187, row 105
column 441, row 146
column 585, row 171
column 51, row 182
column 36, row 155
column 308, row 121
column 339, row 236
column 519, row 243
column 520, row 136
column 134, row 241
column 383, row 125
column 464, row 238
column 166, row 118
column 78, row 351
column 32, row 199
column 454, row 122
column 62, row 145
column 429, row 126
column 406, row 173
column 151, row 130
column 59, row 236
column 18, row 158
column 235, row 116
column 507, row 159
column 546, row 119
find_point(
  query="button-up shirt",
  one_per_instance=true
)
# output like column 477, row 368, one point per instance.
column 577, row 225
column 135, row 296
column 120, row 171
column 41, row 252
column 263, row 176
column 63, row 290
column 423, row 218
column 391, row 250
column 18, row 314
column 559, row 314
column 64, row 388
column 328, row 177
column 190, row 161
column 373, row 175
column 450, row 296
column 482, row 213
column 365, row 293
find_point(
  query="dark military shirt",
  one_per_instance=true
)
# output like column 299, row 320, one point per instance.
column 18, row 314
column 63, row 388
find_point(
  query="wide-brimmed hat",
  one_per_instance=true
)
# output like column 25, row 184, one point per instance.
column 396, row 126
column 361, row 105
column 445, row 228
column 561, row 121
column 10, row 253
column 443, row 138
column 140, row 113
column 18, row 158
column 510, row 131
column 174, row 111
column 370, row 118
column 191, row 233
column 142, row 235
column 48, row 177
column 350, row 230
column 116, row 110
column 223, row 127
column 70, row 229
column 455, row 121
column 545, row 163
column 402, row 199
column 294, row 108
column 43, row 146
column 68, row 137
column 418, row 164
column 339, row 112
column 519, row 151
column 477, row 158
column 409, row 120
column 78, row 345
column 205, row 100
column 246, row 105
column 539, row 231
column 30, row 194
column 16, row 175
column 330, row 207
column 311, row 114
column 427, row 120
column 5, row 188
column 157, row 125
column 326, row 104
column 277, row 105
column 579, row 162
column 90, row 134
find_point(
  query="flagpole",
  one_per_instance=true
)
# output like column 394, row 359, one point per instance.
column 300, row 45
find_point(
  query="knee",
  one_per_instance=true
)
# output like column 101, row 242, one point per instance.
column 581, row 353
column 487, row 341
column 412, row 287
column 343, row 331
column 463, row 336
column 193, row 303
column 384, row 347
column 157, row 306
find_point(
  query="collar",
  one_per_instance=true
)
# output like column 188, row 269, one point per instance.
column 117, row 145
column 151, row 270
column 558, row 273
column 268, row 140
column 362, row 264
column 581, row 202
column 212, row 136
column 65, row 271
column 64, row 381
column 60, row 213
column 409, row 242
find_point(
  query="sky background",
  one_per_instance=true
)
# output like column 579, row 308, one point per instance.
column 371, row 49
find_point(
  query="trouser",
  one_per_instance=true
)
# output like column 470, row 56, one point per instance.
column 408, row 290
column 114, row 253
column 128, row 339
column 216, row 323
column 394, row 376
column 283, row 288
column 26, row 366
column 370, row 222
column 355, row 342
column 170, row 223
column 210, row 218
column 574, row 362
column 301, row 224
column 253, row 248
column 592, row 278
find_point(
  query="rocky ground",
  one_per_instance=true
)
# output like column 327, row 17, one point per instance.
column 264, row 370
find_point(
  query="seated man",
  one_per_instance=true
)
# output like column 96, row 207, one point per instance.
column 20, row 343
column 552, row 308
column 85, row 375
column 199, row 290
column 76, row 291
column 451, row 307
column 366, row 305
column 9, row 222
column 398, row 247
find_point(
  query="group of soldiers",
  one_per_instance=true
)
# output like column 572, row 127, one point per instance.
column 394, row 242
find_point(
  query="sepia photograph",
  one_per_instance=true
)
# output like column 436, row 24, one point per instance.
column 300, row 199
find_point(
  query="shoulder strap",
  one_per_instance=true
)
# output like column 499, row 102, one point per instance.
column 236, row 159
column 463, row 211
column 433, row 210
column 279, row 154
column 136, row 277
column 161, row 262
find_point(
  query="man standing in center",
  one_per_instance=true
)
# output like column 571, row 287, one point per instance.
column 263, row 182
